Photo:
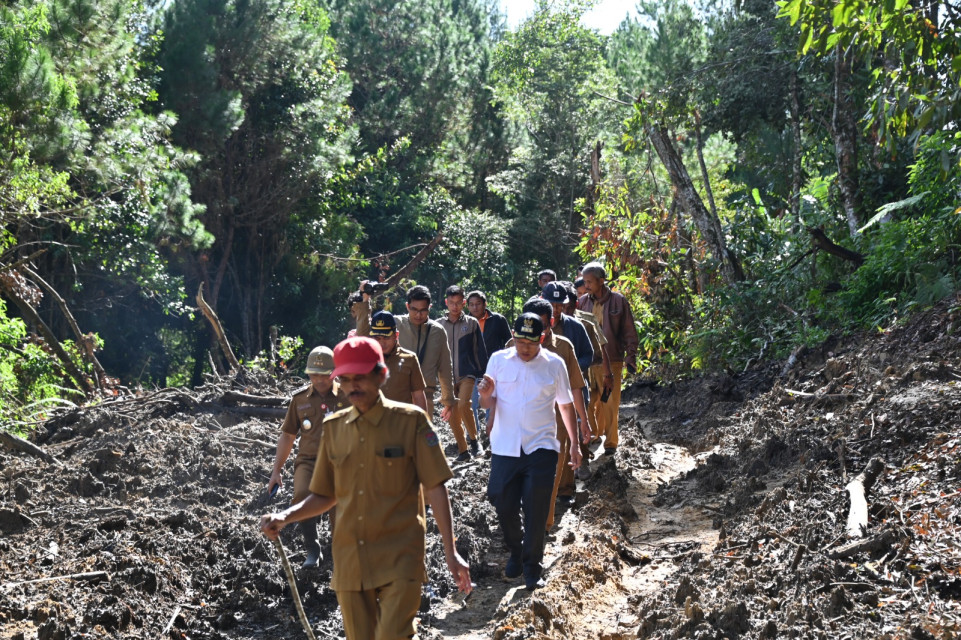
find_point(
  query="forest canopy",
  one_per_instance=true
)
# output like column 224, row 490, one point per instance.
column 755, row 175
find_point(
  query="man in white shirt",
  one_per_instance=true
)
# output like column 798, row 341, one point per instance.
column 522, row 385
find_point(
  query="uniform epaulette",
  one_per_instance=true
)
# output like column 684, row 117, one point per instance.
column 337, row 414
column 301, row 390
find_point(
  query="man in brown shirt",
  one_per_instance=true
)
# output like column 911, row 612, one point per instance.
column 305, row 416
column 613, row 314
column 378, row 461
column 405, row 382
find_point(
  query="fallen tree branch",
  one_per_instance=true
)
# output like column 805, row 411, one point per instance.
column 873, row 544
column 408, row 268
column 85, row 342
column 857, row 490
column 93, row 575
column 231, row 397
column 31, row 316
column 19, row 444
column 218, row 329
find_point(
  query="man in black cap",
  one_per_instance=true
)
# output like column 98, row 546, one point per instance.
column 405, row 381
column 522, row 386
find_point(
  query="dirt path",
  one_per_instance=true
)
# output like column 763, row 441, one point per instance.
column 587, row 595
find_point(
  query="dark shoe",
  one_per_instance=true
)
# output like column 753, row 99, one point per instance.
column 463, row 457
column 309, row 529
column 566, row 500
column 609, row 451
column 474, row 447
column 536, row 584
column 514, row 569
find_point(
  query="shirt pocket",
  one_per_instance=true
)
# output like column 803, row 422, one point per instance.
column 393, row 475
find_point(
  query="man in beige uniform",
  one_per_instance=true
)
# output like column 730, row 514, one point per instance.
column 416, row 332
column 305, row 416
column 405, row 382
column 378, row 461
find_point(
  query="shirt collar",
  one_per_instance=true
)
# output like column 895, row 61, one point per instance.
column 373, row 416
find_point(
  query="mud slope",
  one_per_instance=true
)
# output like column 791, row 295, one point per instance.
column 722, row 515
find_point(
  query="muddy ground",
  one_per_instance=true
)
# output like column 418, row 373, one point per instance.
column 723, row 514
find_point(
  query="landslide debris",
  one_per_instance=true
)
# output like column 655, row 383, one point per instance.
column 723, row 514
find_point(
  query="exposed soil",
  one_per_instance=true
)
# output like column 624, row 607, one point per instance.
column 722, row 515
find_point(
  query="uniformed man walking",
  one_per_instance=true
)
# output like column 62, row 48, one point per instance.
column 405, row 382
column 378, row 461
column 305, row 416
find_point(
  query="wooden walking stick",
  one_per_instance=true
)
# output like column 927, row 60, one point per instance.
column 293, row 588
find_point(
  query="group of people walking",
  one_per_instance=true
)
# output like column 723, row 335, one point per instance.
column 547, row 386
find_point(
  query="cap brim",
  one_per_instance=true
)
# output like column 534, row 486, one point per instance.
column 353, row 368
column 518, row 336
column 323, row 372
column 374, row 333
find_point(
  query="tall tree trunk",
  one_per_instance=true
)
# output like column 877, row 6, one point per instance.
column 691, row 203
column 844, row 130
column 796, row 175
column 700, row 160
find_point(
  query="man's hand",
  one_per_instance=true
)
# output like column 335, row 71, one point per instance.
column 575, row 457
column 586, row 434
column 271, row 524
column 445, row 413
column 461, row 572
column 363, row 295
column 485, row 386
column 275, row 481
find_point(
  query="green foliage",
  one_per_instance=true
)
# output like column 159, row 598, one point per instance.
column 552, row 80
column 918, row 88
column 30, row 380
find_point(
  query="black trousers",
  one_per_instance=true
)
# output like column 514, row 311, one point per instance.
column 523, row 484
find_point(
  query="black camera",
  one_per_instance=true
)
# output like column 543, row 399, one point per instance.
column 373, row 288
column 606, row 395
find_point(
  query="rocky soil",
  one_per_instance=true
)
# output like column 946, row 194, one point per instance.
column 723, row 515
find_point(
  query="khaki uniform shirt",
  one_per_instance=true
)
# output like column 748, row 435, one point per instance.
column 374, row 464
column 405, row 376
column 427, row 341
column 306, row 413
column 594, row 334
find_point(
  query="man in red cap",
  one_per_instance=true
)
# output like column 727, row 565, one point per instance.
column 373, row 460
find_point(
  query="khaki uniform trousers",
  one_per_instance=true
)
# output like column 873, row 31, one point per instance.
column 606, row 413
column 384, row 613
column 564, row 474
column 463, row 415
column 303, row 471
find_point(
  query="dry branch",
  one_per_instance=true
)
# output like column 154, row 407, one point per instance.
column 821, row 241
column 84, row 342
column 218, row 329
column 19, row 444
column 408, row 268
column 31, row 316
column 857, row 489
column 873, row 544
column 233, row 397
column 93, row 575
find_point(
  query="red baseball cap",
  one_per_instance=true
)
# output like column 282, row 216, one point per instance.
column 357, row 355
